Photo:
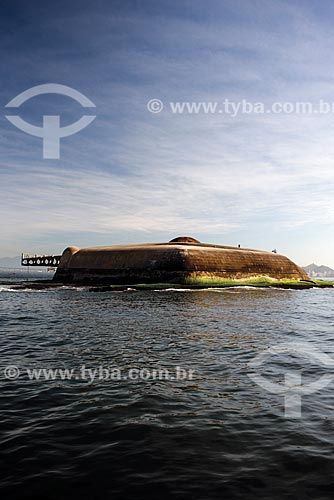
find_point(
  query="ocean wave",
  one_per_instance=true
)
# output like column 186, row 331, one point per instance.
column 20, row 290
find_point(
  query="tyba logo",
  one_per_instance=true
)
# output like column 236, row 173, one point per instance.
column 293, row 389
column 51, row 131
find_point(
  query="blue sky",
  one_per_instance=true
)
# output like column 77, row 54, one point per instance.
column 264, row 181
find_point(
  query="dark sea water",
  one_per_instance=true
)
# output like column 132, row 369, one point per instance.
column 218, row 435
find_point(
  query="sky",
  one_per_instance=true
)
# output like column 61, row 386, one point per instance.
column 132, row 176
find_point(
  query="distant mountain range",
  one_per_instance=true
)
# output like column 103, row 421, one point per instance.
column 11, row 267
column 315, row 271
column 10, row 261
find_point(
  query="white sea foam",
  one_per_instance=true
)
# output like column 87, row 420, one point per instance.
column 69, row 287
column 20, row 290
column 230, row 289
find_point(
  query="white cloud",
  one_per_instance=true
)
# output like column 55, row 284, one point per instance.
column 139, row 173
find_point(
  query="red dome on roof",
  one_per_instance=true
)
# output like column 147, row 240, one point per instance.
column 184, row 239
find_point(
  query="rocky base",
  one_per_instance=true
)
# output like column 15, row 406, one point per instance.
column 259, row 282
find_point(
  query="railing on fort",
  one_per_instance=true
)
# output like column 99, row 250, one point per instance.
column 40, row 260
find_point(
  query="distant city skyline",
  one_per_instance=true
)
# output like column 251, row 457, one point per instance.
column 138, row 173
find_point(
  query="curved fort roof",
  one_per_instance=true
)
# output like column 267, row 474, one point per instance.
column 177, row 261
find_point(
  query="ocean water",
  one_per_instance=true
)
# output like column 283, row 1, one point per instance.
column 216, row 434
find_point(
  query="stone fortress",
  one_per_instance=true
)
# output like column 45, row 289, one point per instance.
column 181, row 260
